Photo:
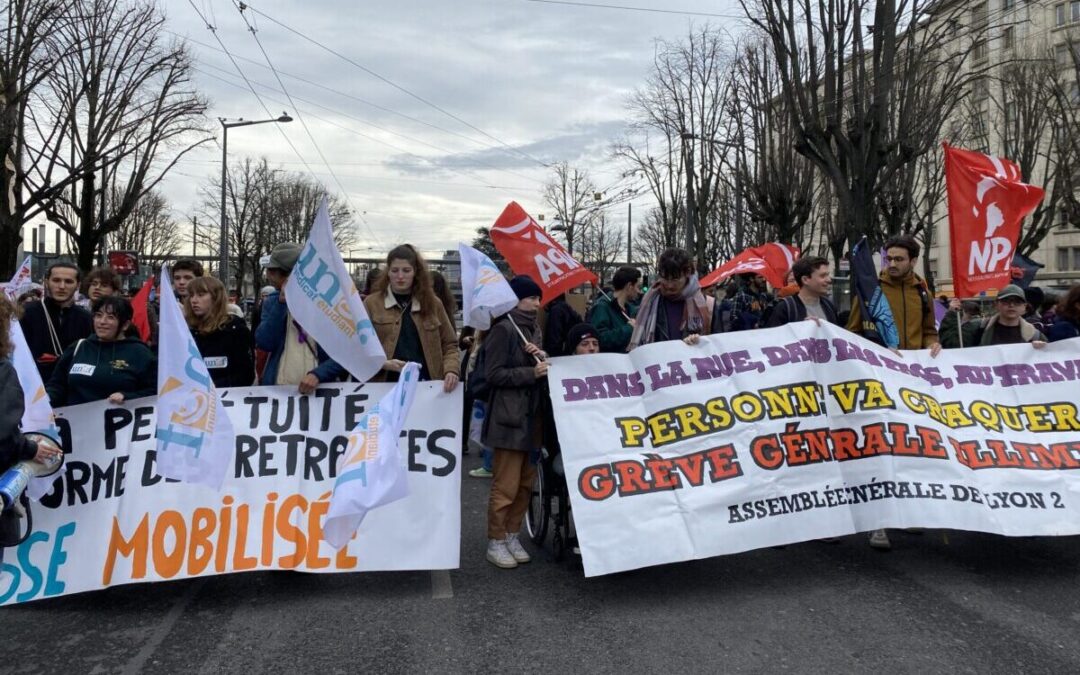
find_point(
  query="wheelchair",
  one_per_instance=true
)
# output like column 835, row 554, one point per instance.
column 549, row 506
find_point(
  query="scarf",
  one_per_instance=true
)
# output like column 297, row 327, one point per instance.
column 696, row 321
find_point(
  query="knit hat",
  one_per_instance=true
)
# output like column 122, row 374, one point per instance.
column 578, row 333
column 284, row 256
column 524, row 287
column 1011, row 291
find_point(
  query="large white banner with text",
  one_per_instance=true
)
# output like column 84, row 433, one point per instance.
column 769, row 437
column 111, row 519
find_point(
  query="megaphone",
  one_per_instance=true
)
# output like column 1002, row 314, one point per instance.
column 14, row 480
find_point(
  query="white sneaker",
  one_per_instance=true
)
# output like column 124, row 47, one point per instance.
column 516, row 549
column 880, row 540
column 499, row 556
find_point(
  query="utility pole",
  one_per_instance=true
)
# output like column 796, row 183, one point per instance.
column 629, row 232
column 194, row 236
column 691, row 215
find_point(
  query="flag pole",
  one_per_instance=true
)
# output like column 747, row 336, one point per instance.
column 611, row 300
column 523, row 338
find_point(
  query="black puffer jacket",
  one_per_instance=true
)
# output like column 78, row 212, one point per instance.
column 14, row 447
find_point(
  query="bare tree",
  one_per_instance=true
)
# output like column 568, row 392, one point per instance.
column 775, row 181
column 656, row 233
column 28, row 52
column 149, row 229
column 571, row 194
column 126, row 111
column 868, row 87
column 681, row 111
column 600, row 243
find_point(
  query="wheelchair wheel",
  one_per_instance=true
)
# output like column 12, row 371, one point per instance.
column 536, row 518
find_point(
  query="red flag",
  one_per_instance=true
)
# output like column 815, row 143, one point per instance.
column 140, row 317
column 772, row 261
column 529, row 250
column 987, row 203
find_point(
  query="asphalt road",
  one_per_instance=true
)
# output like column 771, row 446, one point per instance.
column 952, row 602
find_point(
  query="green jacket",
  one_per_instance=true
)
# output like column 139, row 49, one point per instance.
column 980, row 332
column 91, row 370
column 610, row 324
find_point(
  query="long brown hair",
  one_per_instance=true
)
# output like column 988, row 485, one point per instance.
column 1068, row 305
column 8, row 313
column 421, row 285
column 218, row 317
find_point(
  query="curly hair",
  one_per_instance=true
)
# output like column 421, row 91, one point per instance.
column 218, row 317
column 421, row 287
column 8, row 313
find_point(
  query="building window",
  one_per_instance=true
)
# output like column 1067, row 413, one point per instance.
column 980, row 89
column 1061, row 55
column 1068, row 258
column 1007, row 38
column 1006, row 5
column 1059, row 14
column 1074, row 93
column 1075, row 6
column 933, row 268
column 979, row 51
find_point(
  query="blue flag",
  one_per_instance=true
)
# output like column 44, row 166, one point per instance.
column 878, row 323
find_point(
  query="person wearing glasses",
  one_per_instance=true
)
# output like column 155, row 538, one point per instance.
column 674, row 308
column 1006, row 327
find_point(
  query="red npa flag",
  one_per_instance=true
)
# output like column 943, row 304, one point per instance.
column 987, row 203
column 529, row 250
column 772, row 261
column 140, row 317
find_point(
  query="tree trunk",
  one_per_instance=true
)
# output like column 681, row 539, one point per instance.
column 10, row 238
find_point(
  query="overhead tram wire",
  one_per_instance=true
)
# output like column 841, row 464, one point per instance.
column 288, row 140
column 254, row 33
column 597, row 5
column 345, row 94
column 463, row 172
column 371, row 124
column 399, row 87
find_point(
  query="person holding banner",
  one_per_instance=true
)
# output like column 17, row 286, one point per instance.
column 674, row 308
column 613, row 317
column 812, row 300
column 107, row 364
column 1007, row 327
column 411, row 322
column 514, row 369
column 295, row 358
column 224, row 341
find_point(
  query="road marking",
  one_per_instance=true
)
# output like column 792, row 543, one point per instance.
column 441, row 588
column 137, row 663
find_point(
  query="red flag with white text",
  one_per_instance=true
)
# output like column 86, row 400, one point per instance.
column 529, row 250
column 987, row 203
column 772, row 261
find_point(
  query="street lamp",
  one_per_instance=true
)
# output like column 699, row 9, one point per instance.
column 223, row 272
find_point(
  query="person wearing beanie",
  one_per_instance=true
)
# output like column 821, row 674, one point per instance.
column 515, row 371
column 582, row 339
column 294, row 356
column 1004, row 328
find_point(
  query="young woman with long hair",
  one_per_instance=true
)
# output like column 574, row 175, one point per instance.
column 411, row 322
column 224, row 340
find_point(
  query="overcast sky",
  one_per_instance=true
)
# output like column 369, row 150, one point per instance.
column 548, row 81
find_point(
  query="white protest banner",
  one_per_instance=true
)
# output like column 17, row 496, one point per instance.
column 770, row 437
column 323, row 299
column 371, row 472
column 195, row 437
column 485, row 292
column 112, row 519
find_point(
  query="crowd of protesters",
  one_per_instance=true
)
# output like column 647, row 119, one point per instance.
column 87, row 349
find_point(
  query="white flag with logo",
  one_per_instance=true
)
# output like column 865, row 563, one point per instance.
column 21, row 281
column 37, row 409
column 372, row 473
column 485, row 292
column 195, row 439
column 323, row 299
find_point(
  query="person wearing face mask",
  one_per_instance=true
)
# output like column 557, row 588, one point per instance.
column 105, row 365
column 411, row 322
column 223, row 339
column 674, row 308
column 53, row 325
column 514, row 370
